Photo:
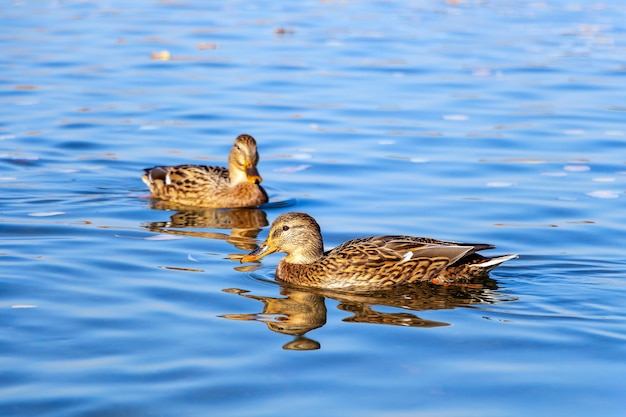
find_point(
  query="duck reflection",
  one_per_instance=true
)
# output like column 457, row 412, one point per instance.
column 296, row 314
column 244, row 223
column 301, row 310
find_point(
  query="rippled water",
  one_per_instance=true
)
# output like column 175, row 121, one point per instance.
column 500, row 122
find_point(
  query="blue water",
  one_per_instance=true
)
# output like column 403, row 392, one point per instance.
column 497, row 122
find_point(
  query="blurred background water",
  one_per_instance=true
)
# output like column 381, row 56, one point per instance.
column 498, row 122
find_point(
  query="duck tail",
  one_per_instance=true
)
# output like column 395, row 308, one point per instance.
column 491, row 263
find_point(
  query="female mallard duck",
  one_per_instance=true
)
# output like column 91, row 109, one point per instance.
column 368, row 263
column 207, row 186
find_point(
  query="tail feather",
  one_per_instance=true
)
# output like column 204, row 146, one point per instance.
column 493, row 262
column 157, row 173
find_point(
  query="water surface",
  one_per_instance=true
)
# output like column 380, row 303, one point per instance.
column 469, row 121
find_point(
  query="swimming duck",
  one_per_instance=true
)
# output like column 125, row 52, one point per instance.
column 369, row 263
column 209, row 186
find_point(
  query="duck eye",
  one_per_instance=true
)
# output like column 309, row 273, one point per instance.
column 285, row 228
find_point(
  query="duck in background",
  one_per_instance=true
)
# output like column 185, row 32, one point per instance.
column 211, row 186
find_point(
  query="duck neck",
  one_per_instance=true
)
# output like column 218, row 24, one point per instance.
column 308, row 252
column 236, row 175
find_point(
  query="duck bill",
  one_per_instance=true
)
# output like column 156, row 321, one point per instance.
column 253, row 176
column 265, row 249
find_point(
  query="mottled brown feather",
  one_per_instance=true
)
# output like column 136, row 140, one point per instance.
column 375, row 262
column 211, row 186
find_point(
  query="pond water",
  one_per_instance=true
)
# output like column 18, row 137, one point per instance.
column 496, row 122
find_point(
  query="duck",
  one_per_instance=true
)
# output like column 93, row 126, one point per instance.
column 369, row 263
column 190, row 185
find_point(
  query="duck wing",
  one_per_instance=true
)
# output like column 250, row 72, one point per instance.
column 187, row 175
column 375, row 250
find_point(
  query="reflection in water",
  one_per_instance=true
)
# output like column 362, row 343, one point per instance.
column 304, row 309
column 295, row 315
column 245, row 223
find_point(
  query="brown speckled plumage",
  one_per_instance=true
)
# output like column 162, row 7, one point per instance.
column 369, row 263
column 208, row 186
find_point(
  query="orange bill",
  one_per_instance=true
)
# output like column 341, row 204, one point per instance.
column 265, row 249
column 253, row 175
